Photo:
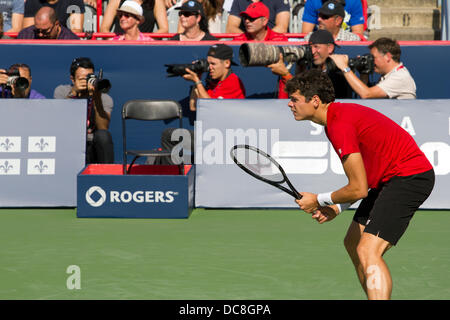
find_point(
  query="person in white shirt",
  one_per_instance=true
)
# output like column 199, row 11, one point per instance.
column 395, row 83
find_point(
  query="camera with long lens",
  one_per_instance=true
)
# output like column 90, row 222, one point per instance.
column 178, row 70
column 100, row 84
column 15, row 80
column 364, row 63
column 260, row 54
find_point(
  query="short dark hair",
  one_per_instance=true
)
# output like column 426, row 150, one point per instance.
column 310, row 83
column 385, row 45
column 16, row 66
column 81, row 62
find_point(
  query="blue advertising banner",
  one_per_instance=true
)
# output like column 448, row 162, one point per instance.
column 42, row 148
column 135, row 196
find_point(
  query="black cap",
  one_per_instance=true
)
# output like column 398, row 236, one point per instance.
column 322, row 36
column 332, row 8
column 192, row 6
column 222, row 52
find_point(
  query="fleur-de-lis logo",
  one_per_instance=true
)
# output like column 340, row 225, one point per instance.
column 7, row 144
column 41, row 167
column 41, row 144
column 5, row 167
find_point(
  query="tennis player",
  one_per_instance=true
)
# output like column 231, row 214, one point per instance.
column 376, row 154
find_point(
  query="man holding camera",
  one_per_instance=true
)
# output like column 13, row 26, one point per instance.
column 222, row 83
column 99, row 146
column 322, row 47
column 395, row 83
column 16, row 83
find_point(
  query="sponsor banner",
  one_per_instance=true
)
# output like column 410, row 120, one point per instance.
column 302, row 148
column 40, row 159
column 135, row 196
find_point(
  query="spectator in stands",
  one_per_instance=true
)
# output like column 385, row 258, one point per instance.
column 13, row 92
column 352, row 7
column 46, row 26
column 331, row 17
column 154, row 12
column 256, row 17
column 395, row 83
column 99, row 144
column 194, row 23
column 213, row 10
column 130, row 17
column 278, row 18
column 12, row 15
column 322, row 47
column 70, row 13
column 221, row 83
column 1, row 26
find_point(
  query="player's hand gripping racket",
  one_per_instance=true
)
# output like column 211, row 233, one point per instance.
column 262, row 166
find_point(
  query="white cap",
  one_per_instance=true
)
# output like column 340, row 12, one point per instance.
column 132, row 7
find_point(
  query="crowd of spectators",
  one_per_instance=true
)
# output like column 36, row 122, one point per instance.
column 220, row 16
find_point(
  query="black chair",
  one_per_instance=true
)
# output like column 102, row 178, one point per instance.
column 148, row 110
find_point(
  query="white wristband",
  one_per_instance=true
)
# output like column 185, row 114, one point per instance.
column 343, row 206
column 324, row 199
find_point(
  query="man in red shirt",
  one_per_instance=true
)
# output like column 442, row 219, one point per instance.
column 222, row 83
column 255, row 18
column 376, row 153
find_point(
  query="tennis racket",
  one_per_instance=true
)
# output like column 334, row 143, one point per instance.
column 263, row 167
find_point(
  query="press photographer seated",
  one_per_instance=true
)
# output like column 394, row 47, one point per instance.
column 395, row 83
column 16, row 83
column 322, row 47
column 99, row 145
column 222, row 83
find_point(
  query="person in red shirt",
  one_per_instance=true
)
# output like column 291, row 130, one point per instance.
column 255, row 18
column 222, row 83
column 376, row 153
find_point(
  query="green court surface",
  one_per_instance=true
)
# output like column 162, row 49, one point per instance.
column 213, row 255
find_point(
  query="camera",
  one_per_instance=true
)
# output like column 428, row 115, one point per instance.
column 15, row 80
column 260, row 54
column 198, row 66
column 364, row 63
column 100, row 84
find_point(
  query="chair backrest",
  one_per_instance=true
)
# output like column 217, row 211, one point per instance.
column 151, row 110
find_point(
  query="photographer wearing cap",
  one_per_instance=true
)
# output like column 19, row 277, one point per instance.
column 395, row 83
column 20, row 76
column 322, row 47
column 221, row 83
column 330, row 17
column 99, row 146
column 256, row 18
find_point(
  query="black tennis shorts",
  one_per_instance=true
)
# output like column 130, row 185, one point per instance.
column 386, row 211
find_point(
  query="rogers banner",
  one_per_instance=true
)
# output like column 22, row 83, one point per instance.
column 302, row 148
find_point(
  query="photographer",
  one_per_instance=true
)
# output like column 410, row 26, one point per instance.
column 322, row 47
column 221, row 83
column 396, row 82
column 20, row 76
column 99, row 147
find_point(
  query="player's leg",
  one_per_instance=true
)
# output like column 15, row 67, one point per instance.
column 376, row 275
column 351, row 241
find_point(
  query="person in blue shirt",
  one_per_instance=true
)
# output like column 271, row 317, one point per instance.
column 24, row 72
column 353, row 10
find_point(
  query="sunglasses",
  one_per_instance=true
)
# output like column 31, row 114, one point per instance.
column 126, row 15
column 324, row 16
column 250, row 18
column 187, row 13
column 41, row 33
